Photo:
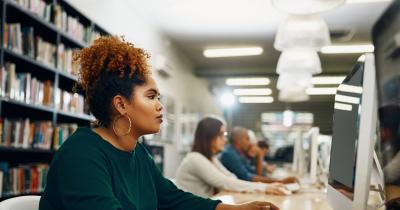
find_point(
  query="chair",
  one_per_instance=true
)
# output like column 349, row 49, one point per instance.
column 29, row 202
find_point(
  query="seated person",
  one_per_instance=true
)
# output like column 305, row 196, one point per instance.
column 202, row 174
column 256, row 154
column 264, row 146
column 389, row 116
column 104, row 167
column 234, row 159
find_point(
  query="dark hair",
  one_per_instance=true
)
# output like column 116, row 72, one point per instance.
column 110, row 66
column 389, row 117
column 109, row 84
column 206, row 132
column 263, row 144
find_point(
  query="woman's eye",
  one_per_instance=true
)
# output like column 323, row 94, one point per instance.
column 152, row 97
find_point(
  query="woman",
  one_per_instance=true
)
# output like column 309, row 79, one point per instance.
column 104, row 167
column 202, row 174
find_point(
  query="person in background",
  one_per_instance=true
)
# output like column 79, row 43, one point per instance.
column 234, row 159
column 202, row 174
column 257, row 154
column 104, row 167
column 389, row 116
column 264, row 146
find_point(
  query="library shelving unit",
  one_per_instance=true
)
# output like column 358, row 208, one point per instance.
column 37, row 77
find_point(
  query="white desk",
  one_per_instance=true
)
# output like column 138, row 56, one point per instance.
column 297, row 201
column 300, row 201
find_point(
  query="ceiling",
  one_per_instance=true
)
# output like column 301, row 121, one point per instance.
column 194, row 25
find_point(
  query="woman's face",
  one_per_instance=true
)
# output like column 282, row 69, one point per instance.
column 145, row 108
column 219, row 143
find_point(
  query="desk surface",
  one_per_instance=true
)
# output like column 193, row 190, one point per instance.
column 299, row 201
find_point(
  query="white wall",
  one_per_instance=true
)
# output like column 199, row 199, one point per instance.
column 119, row 18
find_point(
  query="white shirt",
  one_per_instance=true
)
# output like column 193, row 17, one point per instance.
column 200, row 176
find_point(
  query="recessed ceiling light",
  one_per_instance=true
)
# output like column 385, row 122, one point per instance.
column 326, row 80
column 267, row 99
column 350, row 88
column 247, row 81
column 232, row 52
column 321, row 91
column 227, row 99
column 338, row 49
column 252, row 91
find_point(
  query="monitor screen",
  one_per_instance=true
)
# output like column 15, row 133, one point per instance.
column 345, row 132
column 386, row 38
column 306, row 147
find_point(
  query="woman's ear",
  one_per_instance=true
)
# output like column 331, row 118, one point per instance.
column 120, row 104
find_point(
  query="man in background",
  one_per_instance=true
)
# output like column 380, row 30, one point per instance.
column 234, row 158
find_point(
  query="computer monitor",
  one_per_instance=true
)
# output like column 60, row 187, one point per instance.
column 354, row 129
column 386, row 39
column 310, row 149
column 305, row 154
column 323, row 158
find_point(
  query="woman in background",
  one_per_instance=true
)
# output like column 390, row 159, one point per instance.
column 104, row 167
column 202, row 174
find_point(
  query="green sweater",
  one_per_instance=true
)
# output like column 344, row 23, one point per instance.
column 88, row 173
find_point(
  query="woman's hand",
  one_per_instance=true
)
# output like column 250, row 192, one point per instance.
column 288, row 180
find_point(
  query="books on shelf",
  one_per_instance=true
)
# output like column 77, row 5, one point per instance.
column 22, row 39
column 23, row 179
column 26, row 133
column 65, row 60
column 25, row 88
column 45, row 52
column 61, row 133
column 69, row 102
column 37, row 7
column 71, row 25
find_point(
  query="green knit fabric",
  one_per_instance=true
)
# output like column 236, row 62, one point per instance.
column 88, row 173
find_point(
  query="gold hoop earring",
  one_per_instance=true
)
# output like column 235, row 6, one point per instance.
column 130, row 125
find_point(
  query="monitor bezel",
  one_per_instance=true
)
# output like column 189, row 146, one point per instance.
column 365, row 145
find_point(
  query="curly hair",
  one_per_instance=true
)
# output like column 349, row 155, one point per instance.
column 110, row 66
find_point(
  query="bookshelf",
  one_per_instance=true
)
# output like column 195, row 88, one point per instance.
column 38, row 109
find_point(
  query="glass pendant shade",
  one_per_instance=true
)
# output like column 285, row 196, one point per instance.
column 298, row 80
column 305, row 7
column 293, row 94
column 299, row 61
column 297, row 31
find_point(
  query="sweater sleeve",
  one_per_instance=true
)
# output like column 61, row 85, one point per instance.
column 235, row 165
column 210, row 174
column 170, row 197
column 85, row 183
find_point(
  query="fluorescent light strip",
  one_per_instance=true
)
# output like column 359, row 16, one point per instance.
column 321, row 91
column 326, row 80
column 247, row 81
column 347, row 99
column 350, row 88
column 232, row 52
column 267, row 99
column 337, row 49
column 344, row 107
column 253, row 92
